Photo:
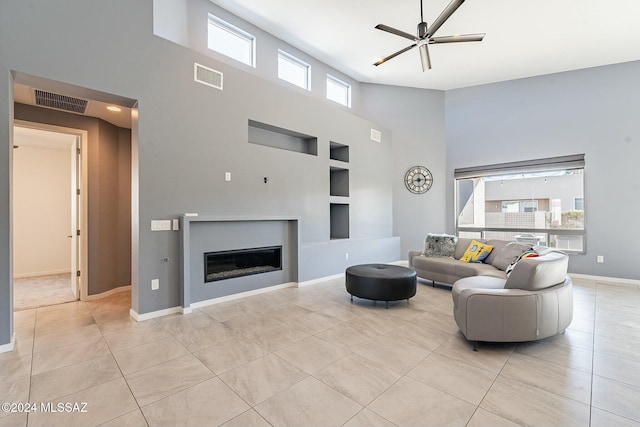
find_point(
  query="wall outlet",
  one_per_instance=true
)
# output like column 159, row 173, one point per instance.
column 346, row 255
column 600, row 259
column 227, row 176
column 155, row 284
column 175, row 224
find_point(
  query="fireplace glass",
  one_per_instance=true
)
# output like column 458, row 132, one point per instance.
column 241, row 262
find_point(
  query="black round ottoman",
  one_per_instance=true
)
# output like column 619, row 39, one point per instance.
column 381, row 282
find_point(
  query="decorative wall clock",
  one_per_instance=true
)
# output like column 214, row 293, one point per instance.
column 418, row 179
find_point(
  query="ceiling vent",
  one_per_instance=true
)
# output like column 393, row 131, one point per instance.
column 60, row 102
column 207, row 76
column 376, row 135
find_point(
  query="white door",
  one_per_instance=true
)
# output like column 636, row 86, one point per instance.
column 75, row 217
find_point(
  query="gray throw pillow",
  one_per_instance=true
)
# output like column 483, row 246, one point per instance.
column 439, row 245
column 509, row 255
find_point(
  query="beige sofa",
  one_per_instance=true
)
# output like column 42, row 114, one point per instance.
column 450, row 269
column 534, row 302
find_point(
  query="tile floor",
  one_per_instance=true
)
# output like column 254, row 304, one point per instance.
column 308, row 357
column 37, row 291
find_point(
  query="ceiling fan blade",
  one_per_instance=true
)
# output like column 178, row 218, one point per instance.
column 457, row 39
column 396, row 32
column 424, row 57
column 393, row 55
column 446, row 14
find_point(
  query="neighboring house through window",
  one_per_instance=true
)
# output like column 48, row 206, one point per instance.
column 537, row 200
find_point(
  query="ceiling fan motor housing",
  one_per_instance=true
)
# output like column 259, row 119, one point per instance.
column 422, row 30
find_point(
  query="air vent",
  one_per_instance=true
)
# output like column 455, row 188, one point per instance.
column 60, row 102
column 376, row 135
column 207, row 76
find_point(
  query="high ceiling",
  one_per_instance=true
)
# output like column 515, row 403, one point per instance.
column 523, row 38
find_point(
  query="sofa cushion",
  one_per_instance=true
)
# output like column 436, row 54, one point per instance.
column 464, row 269
column 506, row 255
column 455, row 268
column 462, row 244
column 527, row 254
column 484, row 282
column 476, row 252
column 439, row 245
column 441, row 266
column 539, row 273
column 497, row 246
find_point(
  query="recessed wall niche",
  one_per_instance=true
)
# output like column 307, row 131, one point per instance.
column 339, row 190
column 339, row 152
column 338, row 181
column 283, row 139
column 339, row 220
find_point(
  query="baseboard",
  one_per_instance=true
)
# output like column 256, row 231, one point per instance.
column 240, row 295
column 126, row 288
column 199, row 304
column 320, row 280
column 154, row 314
column 41, row 273
column 610, row 280
column 187, row 310
column 5, row 348
column 341, row 275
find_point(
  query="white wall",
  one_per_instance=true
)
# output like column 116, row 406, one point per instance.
column 41, row 210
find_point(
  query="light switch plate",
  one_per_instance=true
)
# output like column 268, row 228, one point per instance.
column 227, row 176
column 155, row 284
column 160, row 225
column 176, row 225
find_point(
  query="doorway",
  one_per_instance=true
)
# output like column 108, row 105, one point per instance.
column 107, row 248
column 47, row 212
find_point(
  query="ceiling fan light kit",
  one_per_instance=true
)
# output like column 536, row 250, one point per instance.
column 426, row 37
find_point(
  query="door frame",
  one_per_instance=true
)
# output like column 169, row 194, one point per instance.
column 82, row 244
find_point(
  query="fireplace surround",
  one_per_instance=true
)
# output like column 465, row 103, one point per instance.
column 205, row 234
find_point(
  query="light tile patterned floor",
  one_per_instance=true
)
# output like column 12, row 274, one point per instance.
column 37, row 291
column 308, row 356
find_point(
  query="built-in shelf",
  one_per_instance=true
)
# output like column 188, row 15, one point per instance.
column 338, row 181
column 283, row 139
column 339, row 216
column 339, row 190
column 339, row 152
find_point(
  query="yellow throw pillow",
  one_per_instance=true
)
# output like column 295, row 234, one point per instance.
column 476, row 252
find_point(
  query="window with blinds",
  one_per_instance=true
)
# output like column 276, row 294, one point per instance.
column 537, row 201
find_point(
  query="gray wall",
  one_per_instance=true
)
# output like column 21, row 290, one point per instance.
column 188, row 135
column 189, row 29
column 6, row 155
column 416, row 117
column 593, row 111
column 230, row 235
column 109, row 194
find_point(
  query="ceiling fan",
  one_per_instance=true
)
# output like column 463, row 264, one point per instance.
column 426, row 37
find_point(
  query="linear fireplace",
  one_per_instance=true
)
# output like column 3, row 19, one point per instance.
column 241, row 262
